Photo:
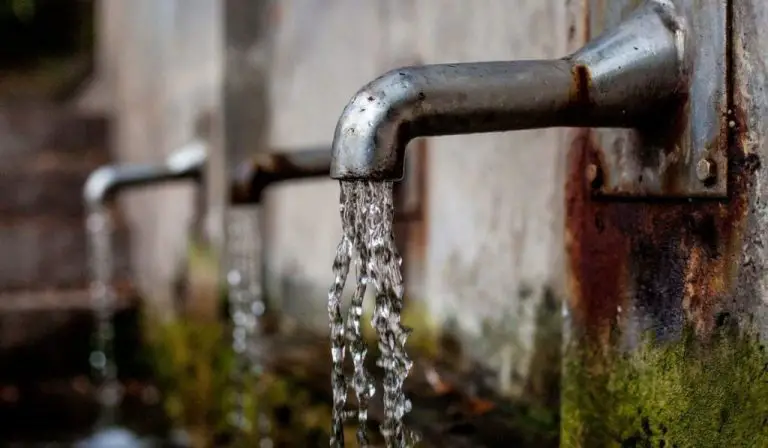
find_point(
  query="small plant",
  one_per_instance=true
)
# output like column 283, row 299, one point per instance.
column 192, row 365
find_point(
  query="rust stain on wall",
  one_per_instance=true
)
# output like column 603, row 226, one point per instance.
column 596, row 248
column 674, row 262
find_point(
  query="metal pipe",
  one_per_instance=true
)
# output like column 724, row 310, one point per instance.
column 617, row 80
column 254, row 175
column 104, row 183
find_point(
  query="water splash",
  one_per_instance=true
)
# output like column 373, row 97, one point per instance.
column 246, row 309
column 367, row 213
column 340, row 270
column 385, row 267
column 362, row 382
column 99, row 228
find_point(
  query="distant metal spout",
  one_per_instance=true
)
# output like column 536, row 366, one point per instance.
column 186, row 163
column 254, row 175
column 617, row 80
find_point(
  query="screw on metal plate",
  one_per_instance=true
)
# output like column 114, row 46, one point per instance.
column 706, row 170
column 594, row 176
column 681, row 151
column 651, row 85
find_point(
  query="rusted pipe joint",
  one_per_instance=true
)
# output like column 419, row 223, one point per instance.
column 256, row 174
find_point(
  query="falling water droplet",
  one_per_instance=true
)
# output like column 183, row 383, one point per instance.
column 101, row 264
column 246, row 306
column 234, row 278
column 367, row 213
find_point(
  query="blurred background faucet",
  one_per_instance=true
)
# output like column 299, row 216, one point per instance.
column 254, row 175
column 186, row 163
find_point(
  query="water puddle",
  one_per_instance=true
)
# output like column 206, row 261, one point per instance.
column 367, row 214
column 99, row 228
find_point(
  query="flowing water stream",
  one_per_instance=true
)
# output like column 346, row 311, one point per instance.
column 103, row 296
column 246, row 308
column 367, row 214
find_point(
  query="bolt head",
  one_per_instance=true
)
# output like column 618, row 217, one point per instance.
column 705, row 170
column 593, row 175
column 591, row 172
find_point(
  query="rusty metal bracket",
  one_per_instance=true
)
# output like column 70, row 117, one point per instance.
column 687, row 156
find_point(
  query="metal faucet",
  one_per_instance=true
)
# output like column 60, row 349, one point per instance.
column 254, row 175
column 186, row 163
column 617, row 80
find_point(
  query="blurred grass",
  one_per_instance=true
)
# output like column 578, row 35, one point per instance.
column 23, row 10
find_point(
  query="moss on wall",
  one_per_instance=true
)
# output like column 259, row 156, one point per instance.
column 690, row 393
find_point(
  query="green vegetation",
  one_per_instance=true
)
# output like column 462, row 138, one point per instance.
column 22, row 9
column 193, row 365
column 684, row 394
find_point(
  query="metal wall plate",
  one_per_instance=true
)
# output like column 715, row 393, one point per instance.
column 684, row 159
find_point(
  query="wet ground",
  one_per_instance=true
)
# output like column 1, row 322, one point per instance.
column 63, row 413
column 450, row 408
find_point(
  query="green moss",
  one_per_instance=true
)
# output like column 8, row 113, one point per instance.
column 193, row 365
column 199, row 253
column 688, row 393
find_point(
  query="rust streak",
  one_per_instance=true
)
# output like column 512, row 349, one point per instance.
column 581, row 85
column 592, row 246
column 672, row 261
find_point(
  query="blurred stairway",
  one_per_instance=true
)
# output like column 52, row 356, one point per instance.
column 46, row 319
column 48, row 150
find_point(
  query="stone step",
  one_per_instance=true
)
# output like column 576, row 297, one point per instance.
column 48, row 152
column 47, row 341
column 63, row 300
column 44, row 253
column 28, row 130
column 32, row 193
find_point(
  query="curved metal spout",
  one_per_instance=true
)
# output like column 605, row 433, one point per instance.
column 254, row 175
column 105, row 182
column 615, row 81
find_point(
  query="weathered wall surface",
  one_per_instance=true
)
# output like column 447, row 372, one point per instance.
column 667, row 299
column 495, row 204
column 750, row 98
column 493, row 228
column 166, row 75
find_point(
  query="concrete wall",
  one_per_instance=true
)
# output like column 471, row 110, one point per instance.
column 494, row 215
column 323, row 52
column 161, row 68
